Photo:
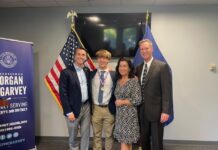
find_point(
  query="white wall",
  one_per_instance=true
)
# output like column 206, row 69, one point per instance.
column 187, row 36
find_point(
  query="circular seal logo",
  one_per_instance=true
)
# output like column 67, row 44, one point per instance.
column 2, row 137
column 9, row 136
column 15, row 134
column 8, row 59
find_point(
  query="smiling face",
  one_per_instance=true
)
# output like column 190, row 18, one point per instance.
column 123, row 68
column 103, row 58
column 102, row 62
column 146, row 50
column 80, row 57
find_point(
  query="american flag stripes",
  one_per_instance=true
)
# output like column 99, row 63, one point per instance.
column 64, row 60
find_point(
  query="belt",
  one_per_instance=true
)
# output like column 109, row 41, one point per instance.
column 102, row 105
column 85, row 102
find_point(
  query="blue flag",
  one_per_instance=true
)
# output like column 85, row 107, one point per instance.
column 156, row 54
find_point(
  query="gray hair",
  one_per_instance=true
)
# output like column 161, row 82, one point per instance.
column 146, row 40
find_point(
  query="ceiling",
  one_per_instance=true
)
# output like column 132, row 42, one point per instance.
column 55, row 3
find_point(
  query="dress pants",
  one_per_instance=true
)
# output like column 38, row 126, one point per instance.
column 82, row 122
column 102, row 119
column 151, row 133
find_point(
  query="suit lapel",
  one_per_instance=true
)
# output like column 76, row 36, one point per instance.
column 114, row 79
column 93, row 73
column 75, row 75
column 112, row 74
column 140, row 71
column 91, row 78
column 150, row 72
column 85, row 69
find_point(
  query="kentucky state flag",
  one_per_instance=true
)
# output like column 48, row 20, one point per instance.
column 156, row 54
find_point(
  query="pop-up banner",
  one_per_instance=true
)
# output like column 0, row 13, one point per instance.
column 16, row 95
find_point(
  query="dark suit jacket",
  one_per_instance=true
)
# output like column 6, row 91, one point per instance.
column 70, row 91
column 157, row 90
column 111, row 104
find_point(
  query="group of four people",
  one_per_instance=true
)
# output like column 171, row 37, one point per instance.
column 128, row 104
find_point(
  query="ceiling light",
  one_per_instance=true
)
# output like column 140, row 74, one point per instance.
column 94, row 19
column 101, row 25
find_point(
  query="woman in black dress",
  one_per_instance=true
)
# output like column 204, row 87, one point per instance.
column 128, row 97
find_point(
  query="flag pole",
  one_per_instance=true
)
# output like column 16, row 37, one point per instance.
column 72, row 14
column 146, row 21
column 147, row 17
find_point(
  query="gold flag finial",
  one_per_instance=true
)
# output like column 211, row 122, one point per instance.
column 72, row 14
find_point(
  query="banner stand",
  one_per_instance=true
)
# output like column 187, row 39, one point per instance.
column 17, row 126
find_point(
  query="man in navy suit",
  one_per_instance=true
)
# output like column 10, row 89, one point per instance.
column 74, row 95
column 156, row 87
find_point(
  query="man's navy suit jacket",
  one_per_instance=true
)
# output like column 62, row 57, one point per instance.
column 70, row 91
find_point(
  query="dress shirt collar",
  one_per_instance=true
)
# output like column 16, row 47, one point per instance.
column 77, row 67
column 149, row 62
column 106, row 70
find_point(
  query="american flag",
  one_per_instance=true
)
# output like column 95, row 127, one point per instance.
column 64, row 60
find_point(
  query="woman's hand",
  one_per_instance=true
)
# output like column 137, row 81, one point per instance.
column 120, row 102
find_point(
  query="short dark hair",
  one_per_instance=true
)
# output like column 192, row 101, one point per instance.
column 80, row 48
column 131, row 67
